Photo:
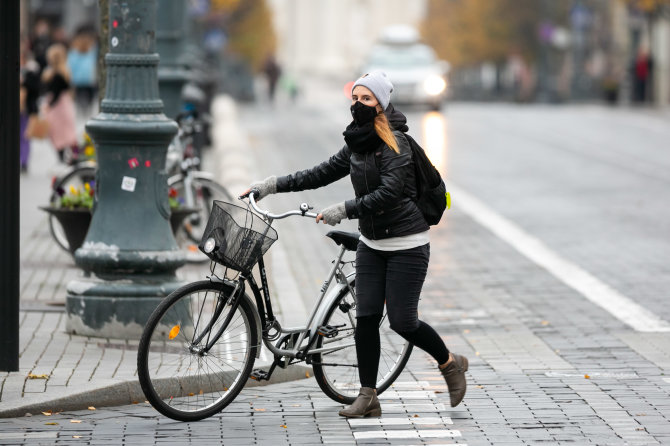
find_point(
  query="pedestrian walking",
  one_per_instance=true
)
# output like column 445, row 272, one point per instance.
column 272, row 72
column 393, row 250
column 29, row 93
column 59, row 108
column 82, row 60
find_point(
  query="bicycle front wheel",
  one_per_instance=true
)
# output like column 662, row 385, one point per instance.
column 180, row 376
column 336, row 370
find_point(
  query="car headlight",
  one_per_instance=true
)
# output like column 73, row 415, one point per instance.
column 434, row 85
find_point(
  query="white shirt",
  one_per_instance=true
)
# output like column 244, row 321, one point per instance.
column 397, row 243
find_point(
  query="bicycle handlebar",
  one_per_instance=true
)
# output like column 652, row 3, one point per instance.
column 303, row 211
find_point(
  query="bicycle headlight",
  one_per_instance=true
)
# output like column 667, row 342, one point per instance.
column 210, row 244
column 434, row 85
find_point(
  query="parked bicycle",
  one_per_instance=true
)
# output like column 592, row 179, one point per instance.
column 198, row 189
column 199, row 346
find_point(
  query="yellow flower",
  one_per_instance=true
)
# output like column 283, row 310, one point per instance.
column 87, row 187
column 73, row 190
column 89, row 151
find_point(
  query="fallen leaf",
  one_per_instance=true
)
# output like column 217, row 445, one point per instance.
column 306, row 374
column 438, row 391
column 416, row 416
column 479, row 387
column 34, row 376
column 75, row 421
column 135, row 402
column 283, row 425
column 76, row 436
column 587, row 377
column 48, row 413
column 259, row 410
column 91, row 408
column 545, row 322
column 51, row 424
column 295, row 405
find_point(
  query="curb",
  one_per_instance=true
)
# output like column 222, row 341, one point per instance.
column 128, row 392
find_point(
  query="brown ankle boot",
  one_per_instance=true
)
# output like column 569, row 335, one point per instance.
column 454, row 375
column 366, row 405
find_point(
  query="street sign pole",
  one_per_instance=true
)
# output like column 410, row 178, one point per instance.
column 9, row 186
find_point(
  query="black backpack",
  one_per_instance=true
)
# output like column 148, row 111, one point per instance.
column 433, row 197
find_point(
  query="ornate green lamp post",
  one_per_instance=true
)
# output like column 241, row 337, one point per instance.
column 171, row 43
column 129, row 255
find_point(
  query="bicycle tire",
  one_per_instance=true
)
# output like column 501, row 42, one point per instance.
column 167, row 358
column 82, row 174
column 341, row 382
column 190, row 232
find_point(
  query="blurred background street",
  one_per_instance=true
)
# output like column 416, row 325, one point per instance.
column 549, row 121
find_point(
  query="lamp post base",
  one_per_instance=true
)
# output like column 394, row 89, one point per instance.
column 116, row 309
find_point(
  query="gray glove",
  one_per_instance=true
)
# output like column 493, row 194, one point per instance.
column 266, row 187
column 334, row 214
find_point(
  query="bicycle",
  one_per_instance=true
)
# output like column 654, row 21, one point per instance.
column 198, row 347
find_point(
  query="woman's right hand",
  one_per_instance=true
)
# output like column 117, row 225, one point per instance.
column 266, row 187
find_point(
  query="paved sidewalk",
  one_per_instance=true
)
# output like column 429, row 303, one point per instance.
column 59, row 371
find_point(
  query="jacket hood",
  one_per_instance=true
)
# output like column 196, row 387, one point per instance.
column 397, row 120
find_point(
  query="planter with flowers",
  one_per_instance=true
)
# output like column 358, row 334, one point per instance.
column 73, row 212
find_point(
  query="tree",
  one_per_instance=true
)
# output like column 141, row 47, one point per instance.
column 468, row 32
column 249, row 27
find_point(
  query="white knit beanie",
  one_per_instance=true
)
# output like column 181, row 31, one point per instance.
column 379, row 84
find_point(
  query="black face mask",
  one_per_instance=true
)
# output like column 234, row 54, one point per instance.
column 363, row 114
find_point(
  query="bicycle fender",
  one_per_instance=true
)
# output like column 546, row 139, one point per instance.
column 328, row 300
column 174, row 179
column 202, row 174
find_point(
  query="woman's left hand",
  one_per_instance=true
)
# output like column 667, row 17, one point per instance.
column 332, row 214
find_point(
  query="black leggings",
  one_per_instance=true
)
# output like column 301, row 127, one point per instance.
column 393, row 278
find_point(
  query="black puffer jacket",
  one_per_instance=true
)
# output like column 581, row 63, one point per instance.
column 383, row 181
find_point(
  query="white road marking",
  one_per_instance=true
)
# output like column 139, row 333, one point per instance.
column 592, row 375
column 667, row 380
column 419, row 421
column 416, row 407
column 424, row 433
column 410, row 384
column 407, row 395
column 599, row 293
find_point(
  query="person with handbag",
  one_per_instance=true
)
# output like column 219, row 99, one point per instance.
column 29, row 92
column 393, row 251
column 59, row 109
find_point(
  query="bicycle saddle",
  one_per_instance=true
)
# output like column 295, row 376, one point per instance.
column 348, row 239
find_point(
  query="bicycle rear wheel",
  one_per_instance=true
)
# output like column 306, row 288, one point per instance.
column 337, row 371
column 179, row 377
column 204, row 191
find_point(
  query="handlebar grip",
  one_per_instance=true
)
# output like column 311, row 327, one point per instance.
column 255, row 192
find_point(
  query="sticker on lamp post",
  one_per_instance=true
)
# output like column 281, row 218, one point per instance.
column 128, row 184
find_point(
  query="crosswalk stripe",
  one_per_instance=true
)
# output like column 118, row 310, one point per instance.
column 408, row 395
column 417, row 407
column 410, row 384
column 421, row 433
column 399, row 421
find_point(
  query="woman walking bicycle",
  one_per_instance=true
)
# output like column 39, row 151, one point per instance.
column 393, row 250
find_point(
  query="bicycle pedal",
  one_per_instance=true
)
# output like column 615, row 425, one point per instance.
column 328, row 331
column 259, row 375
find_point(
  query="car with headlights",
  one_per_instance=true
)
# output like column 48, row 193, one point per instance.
column 418, row 76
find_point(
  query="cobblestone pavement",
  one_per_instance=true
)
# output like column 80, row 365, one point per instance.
column 547, row 364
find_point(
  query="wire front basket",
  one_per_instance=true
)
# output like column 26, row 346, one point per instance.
column 241, row 236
